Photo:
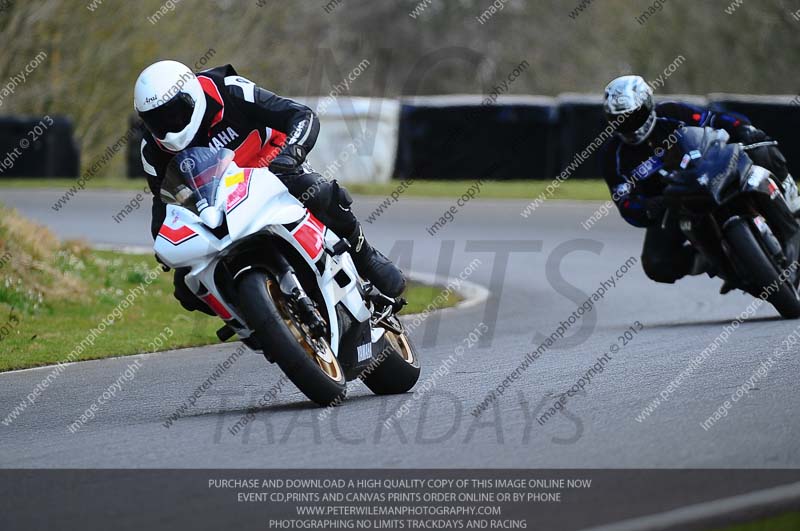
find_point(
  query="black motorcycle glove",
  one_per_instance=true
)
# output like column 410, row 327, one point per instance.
column 289, row 160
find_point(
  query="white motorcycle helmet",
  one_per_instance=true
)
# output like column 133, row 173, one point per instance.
column 171, row 103
column 628, row 102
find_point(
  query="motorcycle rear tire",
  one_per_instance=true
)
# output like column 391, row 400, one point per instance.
column 396, row 367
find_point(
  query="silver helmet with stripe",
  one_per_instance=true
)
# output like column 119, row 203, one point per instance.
column 628, row 105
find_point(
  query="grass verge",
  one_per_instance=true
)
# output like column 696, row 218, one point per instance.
column 100, row 183
column 53, row 294
column 582, row 190
column 784, row 522
column 589, row 190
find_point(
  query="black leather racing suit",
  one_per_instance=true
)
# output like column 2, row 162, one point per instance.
column 258, row 126
column 633, row 175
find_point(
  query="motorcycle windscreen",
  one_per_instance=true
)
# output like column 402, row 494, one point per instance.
column 706, row 162
column 193, row 176
column 725, row 171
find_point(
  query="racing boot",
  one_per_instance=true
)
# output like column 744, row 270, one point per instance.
column 374, row 266
column 727, row 287
column 700, row 265
column 791, row 195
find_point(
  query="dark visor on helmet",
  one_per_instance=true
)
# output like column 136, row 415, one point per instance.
column 170, row 117
column 631, row 122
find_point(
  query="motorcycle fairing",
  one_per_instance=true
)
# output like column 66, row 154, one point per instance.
column 183, row 239
column 260, row 201
column 255, row 201
column 310, row 234
column 769, row 194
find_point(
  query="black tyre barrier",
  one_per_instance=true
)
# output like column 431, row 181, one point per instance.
column 439, row 137
column 33, row 146
column 580, row 122
column 449, row 138
column 133, row 153
column 778, row 116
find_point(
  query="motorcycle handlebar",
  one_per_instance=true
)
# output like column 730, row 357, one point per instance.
column 757, row 145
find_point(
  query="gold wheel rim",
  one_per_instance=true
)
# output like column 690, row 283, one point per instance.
column 311, row 346
column 400, row 343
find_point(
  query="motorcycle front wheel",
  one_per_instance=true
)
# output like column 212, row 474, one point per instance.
column 762, row 274
column 307, row 361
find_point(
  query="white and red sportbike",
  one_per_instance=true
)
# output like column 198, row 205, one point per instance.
column 281, row 281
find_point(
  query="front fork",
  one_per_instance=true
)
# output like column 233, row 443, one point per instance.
column 298, row 299
column 779, row 219
column 705, row 235
column 769, row 202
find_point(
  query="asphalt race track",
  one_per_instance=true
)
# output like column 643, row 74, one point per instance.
column 553, row 266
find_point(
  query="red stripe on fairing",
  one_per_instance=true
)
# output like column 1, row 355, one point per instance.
column 317, row 223
column 176, row 236
column 210, row 88
column 309, row 234
column 217, row 306
column 239, row 193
